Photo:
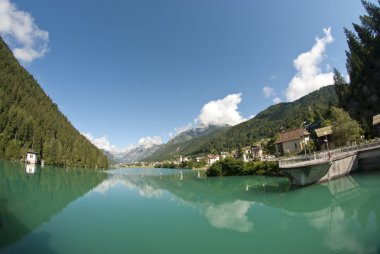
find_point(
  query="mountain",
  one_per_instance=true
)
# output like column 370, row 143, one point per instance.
column 133, row 155
column 29, row 120
column 310, row 108
column 186, row 142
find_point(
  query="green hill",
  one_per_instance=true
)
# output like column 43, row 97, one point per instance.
column 187, row 142
column 30, row 120
column 267, row 123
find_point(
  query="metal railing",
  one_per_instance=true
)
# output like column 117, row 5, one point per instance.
column 321, row 156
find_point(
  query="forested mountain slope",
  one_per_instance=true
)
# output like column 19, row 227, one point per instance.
column 267, row 123
column 29, row 120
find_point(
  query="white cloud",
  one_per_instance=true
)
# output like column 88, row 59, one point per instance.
column 276, row 100
column 268, row 91
column 150, row 141
column 309, row 76
column 179, row 130
column 18, row 28
column 105, row 144
column 101, row 143
column 230, row 216
column 221, row 112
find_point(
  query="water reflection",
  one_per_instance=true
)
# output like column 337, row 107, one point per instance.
column 231, row 215
column 30, row 168
column 188, row 212
column 342, row 210
column 31, row 196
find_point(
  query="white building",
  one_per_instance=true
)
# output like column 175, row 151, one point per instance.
column 292, row 141
column 257, row 152
column 212, row 158
column 31, row 157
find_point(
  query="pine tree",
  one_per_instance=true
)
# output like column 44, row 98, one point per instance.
column 363, row 66
column 29, row 120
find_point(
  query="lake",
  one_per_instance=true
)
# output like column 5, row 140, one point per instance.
column 55, row 210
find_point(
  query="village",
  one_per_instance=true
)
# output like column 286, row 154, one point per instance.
column 289, row 142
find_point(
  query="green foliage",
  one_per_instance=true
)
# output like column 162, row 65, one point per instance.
column 183, row 164
column 267, row 123
column 231, row 167
column 30, row 120
column 166, row 165
column 341, row 88
column 363, row 66
column 344, row 128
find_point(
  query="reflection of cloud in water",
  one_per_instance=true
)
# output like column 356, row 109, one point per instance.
column 144, row 190
column 106, row 185
column 230, row 216
column 149, row 192
column 340, row 235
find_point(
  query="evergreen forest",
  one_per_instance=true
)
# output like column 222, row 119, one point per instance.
column 30, row 121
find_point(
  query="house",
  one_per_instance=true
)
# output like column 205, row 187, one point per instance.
column 252, row 152
column 31, row 157
column 292, row 141
column 198, row 159
column 212, row 158
column 324, row 139
column 182, row 159
column 257, row 152
column 247, row 153
column 224, row 155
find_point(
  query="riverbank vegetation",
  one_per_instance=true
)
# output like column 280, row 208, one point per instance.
column 233, row 167
column 183, row 164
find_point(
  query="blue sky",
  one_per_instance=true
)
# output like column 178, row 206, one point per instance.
column 125, row 70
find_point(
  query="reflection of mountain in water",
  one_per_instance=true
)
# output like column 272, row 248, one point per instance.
column 28, row 200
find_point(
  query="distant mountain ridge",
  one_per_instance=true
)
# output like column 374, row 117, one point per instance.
column 180, row 144
column 133, row 155
column 185, row 142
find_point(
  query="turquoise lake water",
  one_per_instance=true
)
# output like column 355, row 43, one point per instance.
column 53, row 210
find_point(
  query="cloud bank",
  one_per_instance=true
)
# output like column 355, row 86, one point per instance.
column 221, row 112
column 18, row 28
column 149, row 141
column 101, row 143
column 104, row 144
column 309, row 76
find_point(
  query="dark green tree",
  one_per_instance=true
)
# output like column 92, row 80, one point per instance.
column 29, row 120
column 344, row 128
column 363, row 65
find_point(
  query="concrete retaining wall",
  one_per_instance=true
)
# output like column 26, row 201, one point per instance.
column 340, row 166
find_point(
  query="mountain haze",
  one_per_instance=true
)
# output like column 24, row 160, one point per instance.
column 133, row 155
column 185, row 142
